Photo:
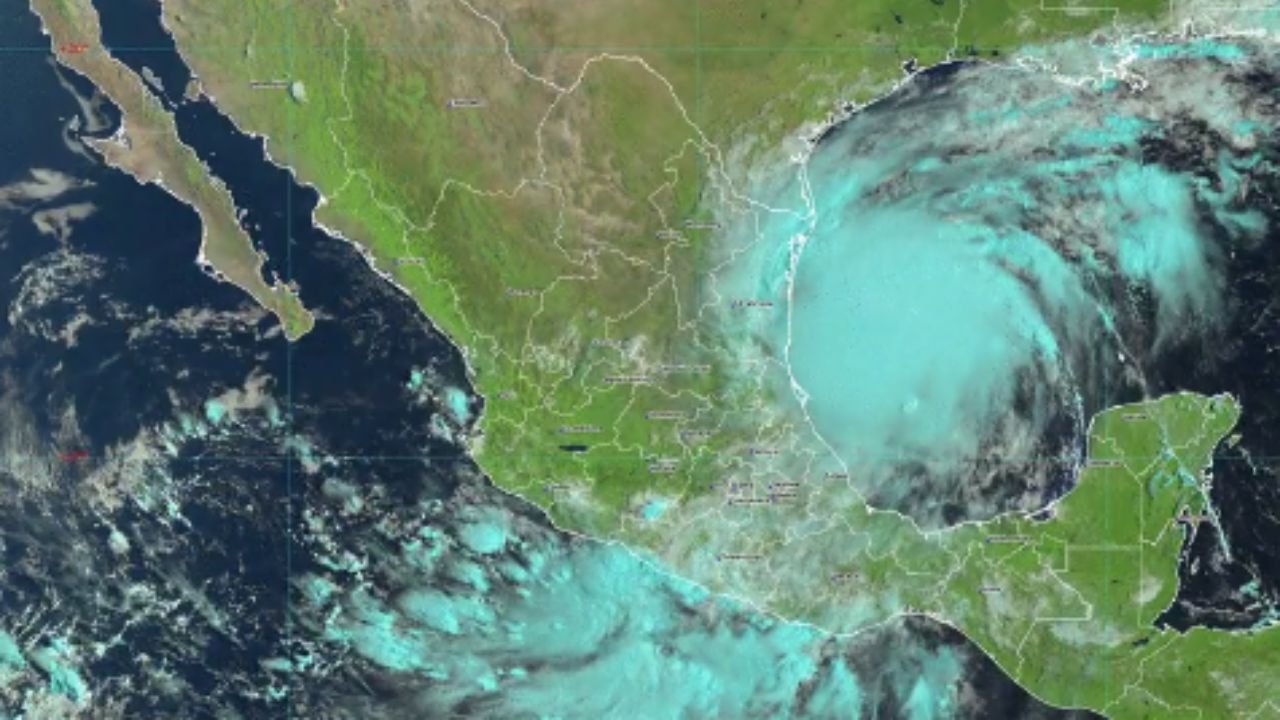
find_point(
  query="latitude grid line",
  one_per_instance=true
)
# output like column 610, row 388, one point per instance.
column 1267, row 461
column 442, row 49
column 1263, row 461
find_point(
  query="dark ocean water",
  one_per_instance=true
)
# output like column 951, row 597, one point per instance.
column 202, row 520
column 113, row 346
column 1235, row 584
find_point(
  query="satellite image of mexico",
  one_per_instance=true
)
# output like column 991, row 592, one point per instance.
column 670, row 360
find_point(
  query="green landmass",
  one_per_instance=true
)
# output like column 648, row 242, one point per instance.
column 528, row 172
column 152, row 153
column 544, row 178
column 1067, row 606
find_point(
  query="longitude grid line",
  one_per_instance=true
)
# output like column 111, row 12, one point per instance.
column 1106, row 584
column 288, row 370
column 699, row 118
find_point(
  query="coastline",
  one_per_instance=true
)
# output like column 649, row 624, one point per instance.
column 146, row 146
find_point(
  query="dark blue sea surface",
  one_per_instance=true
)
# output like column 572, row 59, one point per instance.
column 160, row 438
